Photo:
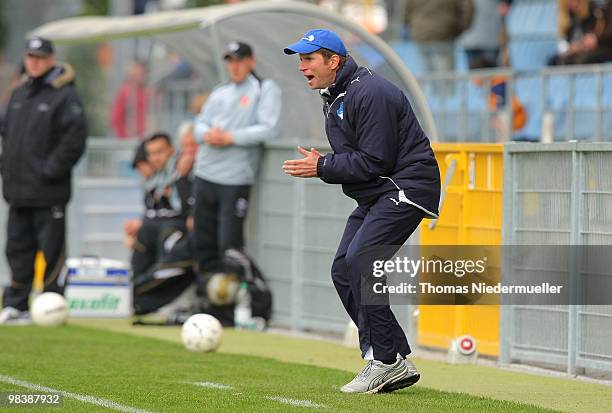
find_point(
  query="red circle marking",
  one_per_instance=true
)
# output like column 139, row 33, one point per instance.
column 467, row 344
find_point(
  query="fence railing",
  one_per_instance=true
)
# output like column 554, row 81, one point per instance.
column 559, row 104
column 577, row 102
column 471, row 107
column 487, row 105
column 107, row 157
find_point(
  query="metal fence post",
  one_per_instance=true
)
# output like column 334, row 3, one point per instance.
column 571, row 126
column 509, row 107
column 508, row 223
column 297, row 240
column 599, row 134
column 572, row 316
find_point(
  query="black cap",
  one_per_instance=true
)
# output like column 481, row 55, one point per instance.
column 238, row 50
column 39, row 46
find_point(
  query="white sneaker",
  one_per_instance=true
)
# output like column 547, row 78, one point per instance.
column 375, row 375
column 11, row 315
column 406, row 381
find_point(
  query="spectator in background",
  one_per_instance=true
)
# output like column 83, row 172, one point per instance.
column 578, row 23
column 599, row 46
column 483, row 38
column 130, row 108
column 497, row 101
column 43, row 137
column 434, row 26
column 371, row 15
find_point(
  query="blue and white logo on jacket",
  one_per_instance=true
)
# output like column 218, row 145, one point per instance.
column 340, row 111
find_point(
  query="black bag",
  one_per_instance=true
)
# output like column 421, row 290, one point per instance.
column 240, row 264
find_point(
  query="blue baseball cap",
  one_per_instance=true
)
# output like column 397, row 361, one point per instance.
column 317, row 39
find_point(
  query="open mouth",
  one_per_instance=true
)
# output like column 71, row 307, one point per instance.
column 309, row 77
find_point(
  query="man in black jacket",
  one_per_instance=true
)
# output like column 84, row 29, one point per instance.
column 383, row 160
column 43, row 137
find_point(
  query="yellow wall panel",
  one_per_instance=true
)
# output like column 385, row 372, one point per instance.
column 471, row 214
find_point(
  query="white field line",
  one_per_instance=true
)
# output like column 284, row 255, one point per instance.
column 284, row 400
column 296, row 402
column 211, row 385
column 109, row 404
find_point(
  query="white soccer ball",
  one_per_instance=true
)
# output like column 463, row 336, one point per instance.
column 49, row 309
column 222, row 288
column 202, row 332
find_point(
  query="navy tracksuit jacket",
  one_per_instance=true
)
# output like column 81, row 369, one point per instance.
column 383, row 160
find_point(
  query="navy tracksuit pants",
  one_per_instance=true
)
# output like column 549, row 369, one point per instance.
column 381, row 223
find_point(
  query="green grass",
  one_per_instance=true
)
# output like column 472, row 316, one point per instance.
column 551, row 392
column 152, row 374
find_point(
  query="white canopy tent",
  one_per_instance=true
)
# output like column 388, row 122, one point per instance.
column 200, row 35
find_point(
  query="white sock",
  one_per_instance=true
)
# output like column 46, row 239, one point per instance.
column 369, row 355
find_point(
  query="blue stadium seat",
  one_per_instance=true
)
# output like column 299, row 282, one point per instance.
column 585, row 95
column 461, row 61
column 532, row 28
column 607, row 90
column 531, row 54
column 532, row 18
column 408, row 52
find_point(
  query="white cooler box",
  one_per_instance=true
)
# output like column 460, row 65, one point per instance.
column 98, row 287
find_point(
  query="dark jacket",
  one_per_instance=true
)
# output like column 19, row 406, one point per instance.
column 377, row 141
column 438, row 20
column 42, row 139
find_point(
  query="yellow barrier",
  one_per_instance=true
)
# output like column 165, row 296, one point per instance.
column 471, row 214
column 40, row 265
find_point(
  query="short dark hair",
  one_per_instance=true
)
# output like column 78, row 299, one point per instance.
column 160, row 135
column 140, row 155
column 327, row 54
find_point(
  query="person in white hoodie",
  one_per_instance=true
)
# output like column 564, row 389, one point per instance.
column 238, row 117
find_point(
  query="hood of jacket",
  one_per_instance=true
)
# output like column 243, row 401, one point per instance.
column 58, row 76
column 61, row 75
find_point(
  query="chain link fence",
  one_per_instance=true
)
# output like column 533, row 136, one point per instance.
column 567, row 205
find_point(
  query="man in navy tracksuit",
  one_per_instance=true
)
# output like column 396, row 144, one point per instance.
column 383, row 160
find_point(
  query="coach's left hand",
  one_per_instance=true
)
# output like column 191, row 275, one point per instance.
column 305, row 167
